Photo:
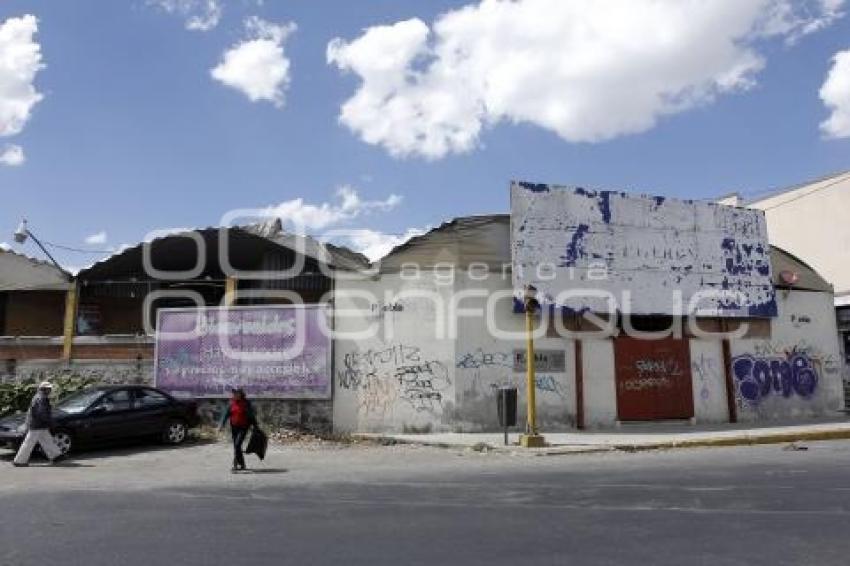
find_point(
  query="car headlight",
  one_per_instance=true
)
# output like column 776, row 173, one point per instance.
column 22, row 428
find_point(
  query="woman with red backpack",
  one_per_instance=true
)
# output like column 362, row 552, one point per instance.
column 241, row 415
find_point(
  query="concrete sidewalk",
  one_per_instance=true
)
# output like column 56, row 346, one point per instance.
column 632, row 437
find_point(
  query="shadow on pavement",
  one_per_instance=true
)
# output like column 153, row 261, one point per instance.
column 263, row 471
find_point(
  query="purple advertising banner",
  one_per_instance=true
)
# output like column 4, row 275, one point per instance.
column 274, row 352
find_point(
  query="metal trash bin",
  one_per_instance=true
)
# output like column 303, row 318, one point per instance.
column 507, row 407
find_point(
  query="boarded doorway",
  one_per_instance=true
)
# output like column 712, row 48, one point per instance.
column 653, row 379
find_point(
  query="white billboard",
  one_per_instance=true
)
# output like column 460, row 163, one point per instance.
column 609, row 251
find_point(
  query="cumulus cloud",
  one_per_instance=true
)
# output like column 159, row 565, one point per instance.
column 12, row 155
column 20, row 61
column 835, row 94
column 258, row 66
column 200, row 15
column 96, row 239
column 588, row 70
column 374, row 244
column 347, row 206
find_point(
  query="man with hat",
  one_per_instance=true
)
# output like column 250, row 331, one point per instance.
column 39, row 421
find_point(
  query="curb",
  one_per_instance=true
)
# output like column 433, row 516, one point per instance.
column 779, row 438
column 564, row 450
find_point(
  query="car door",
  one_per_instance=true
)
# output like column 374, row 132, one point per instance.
column 109, row 419
column 151, row 410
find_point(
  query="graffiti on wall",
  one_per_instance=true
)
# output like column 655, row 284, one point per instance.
column 548, row 384
column 653, row 373
column 481, row 359
column 398, row 373
column 491, row 370
column 793, row 373
column 706, row 372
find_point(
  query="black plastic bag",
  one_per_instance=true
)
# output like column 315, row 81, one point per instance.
column 258, row 444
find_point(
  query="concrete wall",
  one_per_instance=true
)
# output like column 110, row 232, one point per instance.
column 393, row 371
column 432, row 363
column 600, row 390
column 484, row 360
column 796, row 373
column 811, row 222
column 709, row 381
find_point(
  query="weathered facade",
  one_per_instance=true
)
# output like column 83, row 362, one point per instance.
column 101, row 323
column 429, row 363
column 425, row 337
column 810, row 221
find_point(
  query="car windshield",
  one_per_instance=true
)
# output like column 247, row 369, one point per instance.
column 78, row 402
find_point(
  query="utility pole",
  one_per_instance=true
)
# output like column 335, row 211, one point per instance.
column 531, row 438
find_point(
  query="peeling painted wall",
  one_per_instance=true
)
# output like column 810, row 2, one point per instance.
column 641, row 249
column 455, row 381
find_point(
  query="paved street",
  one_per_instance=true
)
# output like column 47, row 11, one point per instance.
column 418, row 505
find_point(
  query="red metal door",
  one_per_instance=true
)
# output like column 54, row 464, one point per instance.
column 653, row 379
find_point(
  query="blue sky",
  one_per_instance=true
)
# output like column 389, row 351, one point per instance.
column 134, row 134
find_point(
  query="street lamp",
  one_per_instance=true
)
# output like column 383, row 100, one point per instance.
column 531, row 439
column 21, row 235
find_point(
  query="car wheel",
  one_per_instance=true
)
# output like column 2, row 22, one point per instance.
column 175, row 432
column 63, row 441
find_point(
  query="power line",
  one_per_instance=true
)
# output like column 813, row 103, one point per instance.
column 78, row 250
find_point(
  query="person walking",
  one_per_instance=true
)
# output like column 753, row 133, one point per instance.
column 39, row 420
column 241, row 415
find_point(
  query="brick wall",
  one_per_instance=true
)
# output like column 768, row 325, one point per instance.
column 34, row 313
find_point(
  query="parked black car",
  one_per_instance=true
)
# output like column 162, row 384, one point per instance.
column 106, row 414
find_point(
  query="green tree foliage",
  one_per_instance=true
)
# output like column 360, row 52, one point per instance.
column 16, row 397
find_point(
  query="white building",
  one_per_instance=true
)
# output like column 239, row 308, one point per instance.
column 413, row 352
column 812, row 221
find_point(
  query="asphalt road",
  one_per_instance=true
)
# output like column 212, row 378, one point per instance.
column 407, row 506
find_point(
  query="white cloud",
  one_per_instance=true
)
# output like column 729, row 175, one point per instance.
column 201, row 15
column 376, row 245
column 20, row 61
column 835, row 94
column 305, row 216
column 258, row 66
column 5, row 246
column 96, row 239
column 588, row 70
column 12, row 155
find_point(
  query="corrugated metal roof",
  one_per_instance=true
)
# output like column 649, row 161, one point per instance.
column 461, row 241
column 19, row 272
column 336, row 257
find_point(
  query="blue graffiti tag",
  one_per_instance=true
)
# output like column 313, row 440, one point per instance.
column 757, row 377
